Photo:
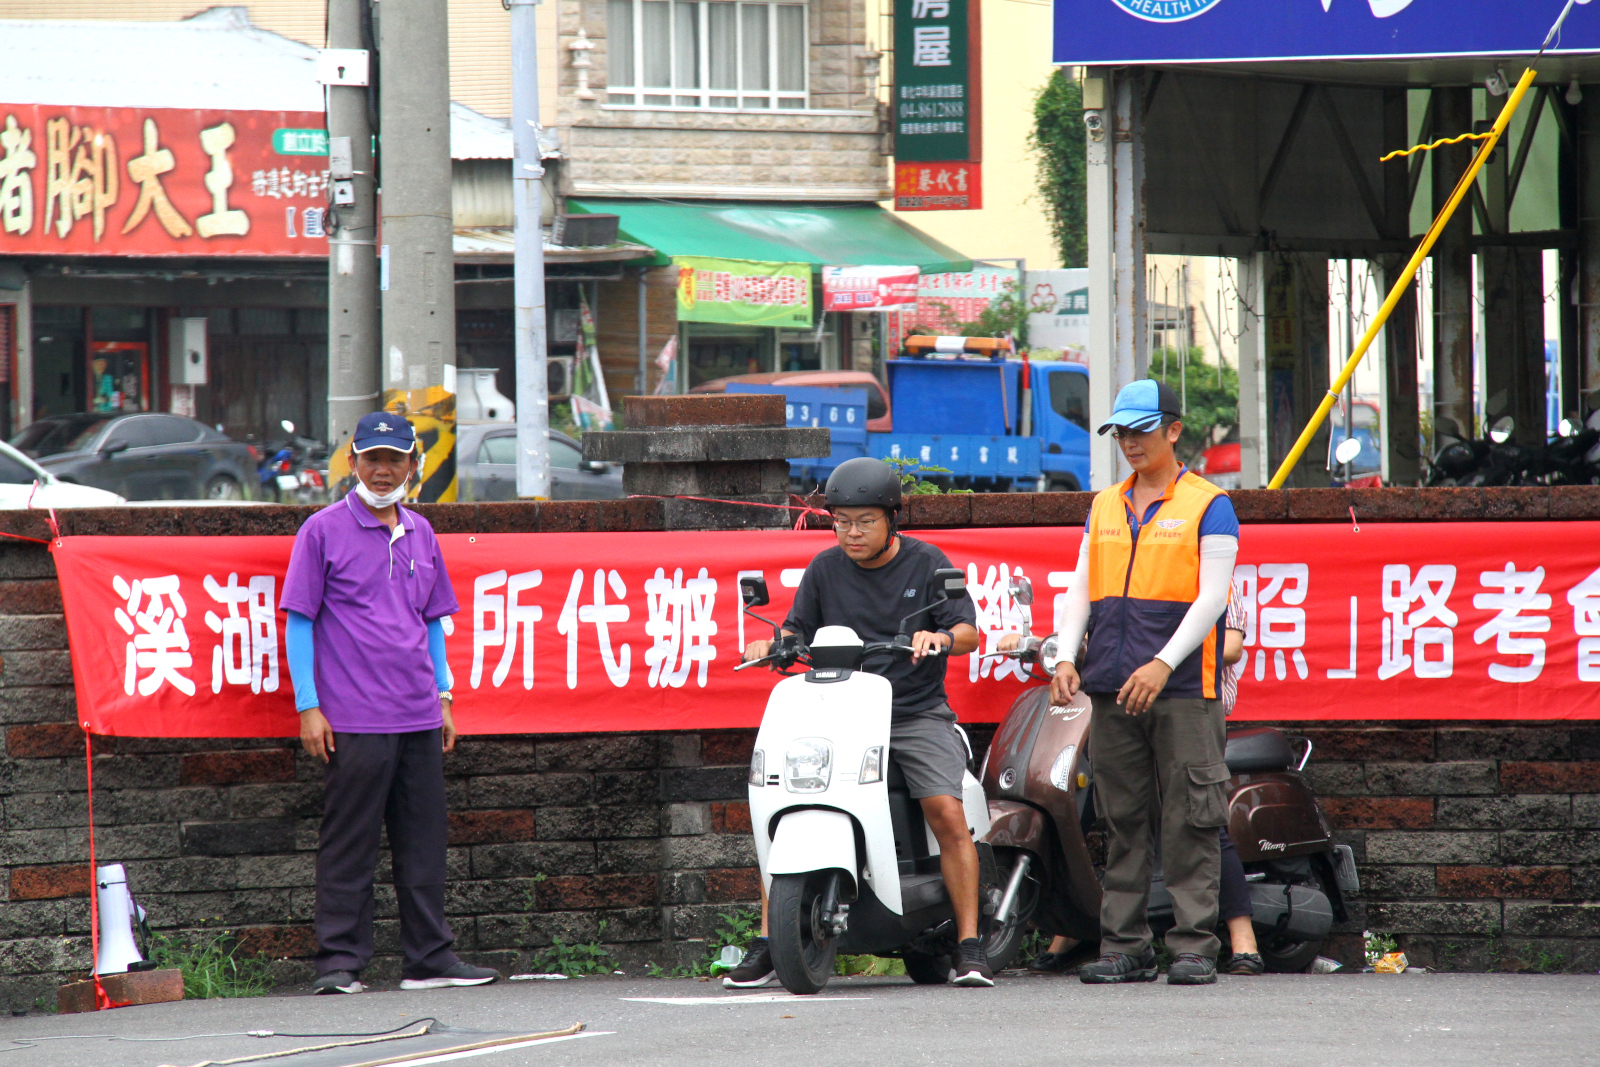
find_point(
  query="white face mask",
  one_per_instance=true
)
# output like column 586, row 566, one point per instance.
column 385, row 500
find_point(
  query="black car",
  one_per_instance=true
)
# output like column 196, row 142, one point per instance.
column 144, row 456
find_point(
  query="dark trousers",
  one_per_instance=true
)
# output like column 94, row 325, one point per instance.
column 372, row 781
column 1233, row 898
column 1167, row 761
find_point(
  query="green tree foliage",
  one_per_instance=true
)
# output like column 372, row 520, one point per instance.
column 1058, row 138
column 1212, row 398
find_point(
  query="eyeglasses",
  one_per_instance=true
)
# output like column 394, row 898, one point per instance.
column 1126, row 433
column 859, row 525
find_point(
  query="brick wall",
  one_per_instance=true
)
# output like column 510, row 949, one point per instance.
column 1478, row 844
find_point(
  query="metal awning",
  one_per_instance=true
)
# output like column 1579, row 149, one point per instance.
column 497, row 244
column 820, row 234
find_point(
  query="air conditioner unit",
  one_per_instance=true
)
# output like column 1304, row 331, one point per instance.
column 559, row 375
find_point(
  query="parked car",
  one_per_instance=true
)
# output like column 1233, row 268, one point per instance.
column 1219, row 464
column 879, row 418
column 486, row 466
column 144, row 456
column 23, row 484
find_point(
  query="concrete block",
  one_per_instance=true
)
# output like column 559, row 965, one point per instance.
column 1503, row 813
column 491, row 827
column 626, row 787
column 138, row 987
column 700, row 445
column 708, row 850
column 704, row 783
column 1567, row 776
column 38, row 704
column 1379, row 813
column 1401, row 847
column 1370, row 743
column 1335, row 779
column 1394, row 917
column 530, row 790
column 1389, row 883
column 625, row 857
column 1537, row 883
column 524, row 859
column 1586, row 811
column 1439, row 779
column 726, row 409
column 1535, row 847
column 238, row 837
column 598, row 752
column 684, row 819
column 768, row 511
column 1552, row 920
column 26, row 632
column 707, row 479
column 1512, row 743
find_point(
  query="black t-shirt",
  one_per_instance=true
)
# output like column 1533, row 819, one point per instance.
column 835, row 591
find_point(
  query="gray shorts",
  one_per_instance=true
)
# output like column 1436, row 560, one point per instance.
column 930, row 752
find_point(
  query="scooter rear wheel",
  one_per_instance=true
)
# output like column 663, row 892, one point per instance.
column 803, row 949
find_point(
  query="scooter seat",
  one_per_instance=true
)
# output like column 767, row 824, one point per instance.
column 1258, row 749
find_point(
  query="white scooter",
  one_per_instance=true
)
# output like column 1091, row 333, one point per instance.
column 849, row 863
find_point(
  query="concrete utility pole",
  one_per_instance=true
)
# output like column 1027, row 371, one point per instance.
column 533, row 382
column 419, row 304
column 352, row 247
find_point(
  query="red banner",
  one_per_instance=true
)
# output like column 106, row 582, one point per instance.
column 181, row 637
column 938, row 186
column 161, row 182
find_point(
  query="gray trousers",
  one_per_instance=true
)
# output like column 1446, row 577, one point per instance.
column 1163, row 768
column 372, row 781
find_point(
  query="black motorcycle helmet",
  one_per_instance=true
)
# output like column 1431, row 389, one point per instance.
column 866, row 483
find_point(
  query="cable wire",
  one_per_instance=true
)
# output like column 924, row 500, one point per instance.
column 19, row 1043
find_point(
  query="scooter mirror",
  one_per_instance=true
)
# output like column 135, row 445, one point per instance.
column 288, row 427
column 753, row 591
column 1500, row 432
column 1348, row 450
column 953, row 580
column 1567, row 429
column 1022, row 589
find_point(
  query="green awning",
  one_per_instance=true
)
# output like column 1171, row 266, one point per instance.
column 832, row 235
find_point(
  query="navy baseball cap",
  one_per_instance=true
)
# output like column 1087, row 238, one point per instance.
column 383, row 429
column 1140, row 405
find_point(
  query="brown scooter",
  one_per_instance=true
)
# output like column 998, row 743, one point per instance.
column 1039, row 778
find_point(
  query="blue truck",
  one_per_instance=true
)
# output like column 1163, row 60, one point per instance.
column 972, row 417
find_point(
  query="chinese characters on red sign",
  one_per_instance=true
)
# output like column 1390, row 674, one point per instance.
column 938, row 186
column 602, row 632
column 110, row 181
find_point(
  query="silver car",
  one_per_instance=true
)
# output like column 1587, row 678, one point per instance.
column 486, row 466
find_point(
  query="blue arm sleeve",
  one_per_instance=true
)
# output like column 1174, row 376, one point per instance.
column 302, row 662
column 441, row 669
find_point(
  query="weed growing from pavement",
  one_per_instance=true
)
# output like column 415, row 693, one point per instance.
column 738, row 928
column 576, row 959
column 212, row 965
column 47, row 1005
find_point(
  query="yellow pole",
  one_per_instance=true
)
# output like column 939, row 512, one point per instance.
column 1471, row 175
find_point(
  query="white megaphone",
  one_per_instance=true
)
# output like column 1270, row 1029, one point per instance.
column 117, row 911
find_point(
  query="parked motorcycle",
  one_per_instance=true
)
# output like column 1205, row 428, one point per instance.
column 850, row 863
column 295, row 473
column 1039, row 777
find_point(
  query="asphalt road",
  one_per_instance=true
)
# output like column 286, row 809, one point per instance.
column 1286, row 1021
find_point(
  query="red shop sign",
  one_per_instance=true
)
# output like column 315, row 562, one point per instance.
column 161, row 182
column 181, row 637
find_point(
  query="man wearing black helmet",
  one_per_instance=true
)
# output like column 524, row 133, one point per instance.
column 872, row 580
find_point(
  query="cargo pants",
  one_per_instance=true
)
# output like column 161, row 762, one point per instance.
column 1164, row 769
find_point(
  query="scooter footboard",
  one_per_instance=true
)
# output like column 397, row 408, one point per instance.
column 814, row 839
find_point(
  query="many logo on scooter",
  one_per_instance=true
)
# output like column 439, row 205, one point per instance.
column 1268, row 846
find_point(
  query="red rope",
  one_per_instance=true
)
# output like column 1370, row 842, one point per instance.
column 19, row 537
column 799, row 522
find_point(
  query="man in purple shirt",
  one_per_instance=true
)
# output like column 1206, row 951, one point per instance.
column 366, row 596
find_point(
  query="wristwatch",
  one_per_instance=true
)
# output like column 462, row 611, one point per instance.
column 448, row 696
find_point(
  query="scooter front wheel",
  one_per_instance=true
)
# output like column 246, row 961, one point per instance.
column 803, row 945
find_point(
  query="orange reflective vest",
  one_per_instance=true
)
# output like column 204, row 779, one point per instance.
column 1140, row 592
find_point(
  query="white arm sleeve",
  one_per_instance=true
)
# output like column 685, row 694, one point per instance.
column 1075, row 619
column 1217, row 555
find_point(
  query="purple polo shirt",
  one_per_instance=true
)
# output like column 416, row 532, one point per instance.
column 370, row 597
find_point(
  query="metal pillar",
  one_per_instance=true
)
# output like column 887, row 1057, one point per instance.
column 1402, row 459
column 419, row 305
column 1586, row 295
column 1452, row 276
column 1115, row 210
column 641, row 382
column 1249, row 273
column 532, row 351
column 353, row 329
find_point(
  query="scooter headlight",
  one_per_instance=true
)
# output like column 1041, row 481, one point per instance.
column 808, row 765
column 1049, row 653
column 1061, row 769
column 872, row 766
column 758, row 768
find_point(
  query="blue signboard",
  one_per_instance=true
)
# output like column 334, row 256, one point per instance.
column 1179, row 31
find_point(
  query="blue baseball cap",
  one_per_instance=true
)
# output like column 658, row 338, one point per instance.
column 1140, row 405
column 383, row 429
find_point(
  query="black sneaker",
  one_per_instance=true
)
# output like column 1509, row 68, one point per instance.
column 1116, row 968
column 337, row 982
column 1247, row 964
column 1062, row 962
column 971, row 965
column 1192, row 969
column 755, row 970
column 459, row 973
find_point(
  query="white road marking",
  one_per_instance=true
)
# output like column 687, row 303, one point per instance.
column 507, row 1048
column 759, row 998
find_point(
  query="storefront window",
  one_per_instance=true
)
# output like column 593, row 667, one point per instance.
column 722, row 352
column 690, row 53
